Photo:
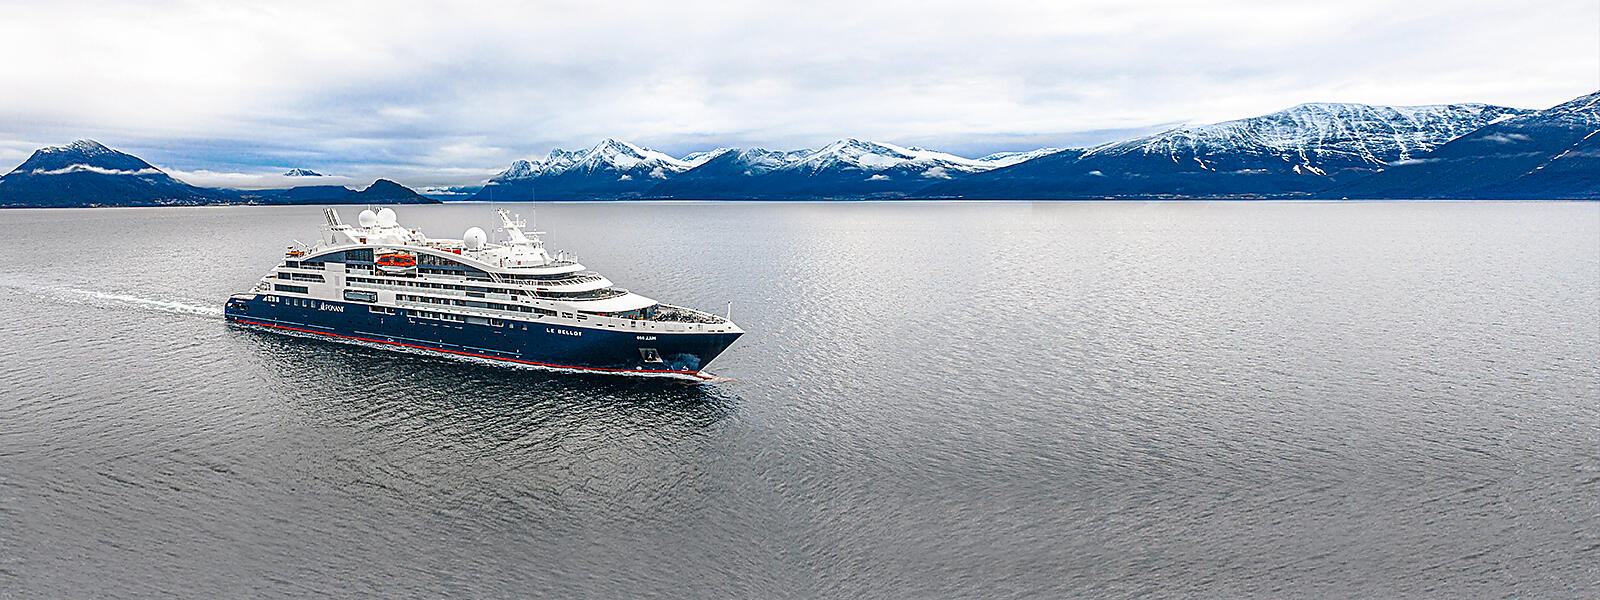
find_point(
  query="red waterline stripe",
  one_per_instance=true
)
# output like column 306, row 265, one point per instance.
column 515, row 360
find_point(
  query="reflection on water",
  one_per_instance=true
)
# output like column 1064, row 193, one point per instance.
column 933, row 400
column 384, row 392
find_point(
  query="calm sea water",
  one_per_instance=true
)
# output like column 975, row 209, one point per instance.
column 934, row 400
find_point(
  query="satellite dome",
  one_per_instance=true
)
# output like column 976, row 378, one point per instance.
column 474, row 238
column 386, row 217
column 367, row 218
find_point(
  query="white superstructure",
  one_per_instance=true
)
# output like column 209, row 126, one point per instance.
column 381, row 263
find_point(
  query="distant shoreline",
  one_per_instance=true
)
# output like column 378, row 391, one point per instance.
column 866, row 201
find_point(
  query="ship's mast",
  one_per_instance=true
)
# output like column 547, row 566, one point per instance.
column 515, row 236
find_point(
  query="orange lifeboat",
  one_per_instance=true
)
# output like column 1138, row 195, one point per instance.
column 397, row 263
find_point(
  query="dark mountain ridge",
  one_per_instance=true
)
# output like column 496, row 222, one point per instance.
column 1297, row 151
column 86, row 173
column 1552, row 153
column 382, row 191
column 610, row 170
column 1308, row 151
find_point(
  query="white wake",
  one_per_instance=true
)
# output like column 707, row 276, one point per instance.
column 172, row 306
column 25, row 286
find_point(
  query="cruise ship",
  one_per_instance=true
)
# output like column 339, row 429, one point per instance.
column 378, row 282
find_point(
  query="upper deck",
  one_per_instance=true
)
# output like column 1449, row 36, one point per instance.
column 521, row 253
column 382, row 255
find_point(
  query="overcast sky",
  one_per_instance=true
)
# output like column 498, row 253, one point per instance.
column 223, row 93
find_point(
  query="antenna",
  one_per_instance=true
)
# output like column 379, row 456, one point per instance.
column 513, row 228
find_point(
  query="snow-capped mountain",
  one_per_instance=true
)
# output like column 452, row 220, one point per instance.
column 1552, row 153
column 1319, row 137
column 86, row 173
column 610, row 169
column 612, row 156
column 1299, row 150
column 875, row 158
column 1006, row 159
column 695, row 159
column 519, row 169
column 759, row 161
column 726, row 173
column 83, row 155
column 844, row 168
column 301, row 173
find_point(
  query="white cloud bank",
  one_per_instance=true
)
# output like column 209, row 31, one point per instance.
column 257, row 181
column 81, row 168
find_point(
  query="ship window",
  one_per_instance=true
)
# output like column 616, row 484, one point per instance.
column 437, row 261
column 297, row 289
column 362, row 255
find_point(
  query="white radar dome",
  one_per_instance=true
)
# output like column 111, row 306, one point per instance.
column 386, row 217
column 367, row 218
column 474, row 238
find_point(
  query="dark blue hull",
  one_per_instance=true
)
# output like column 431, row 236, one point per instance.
column 529, row 342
